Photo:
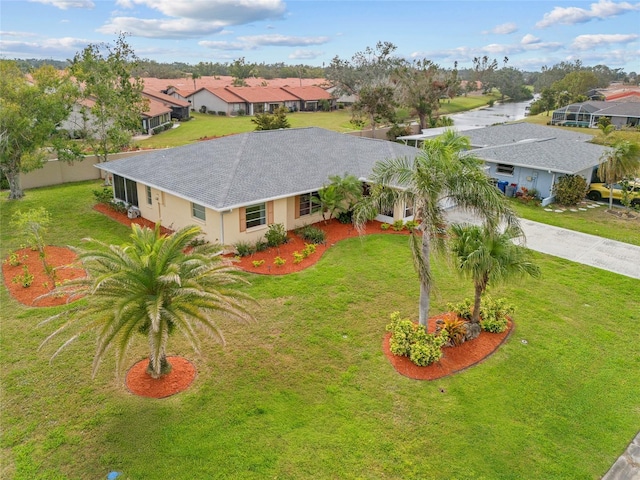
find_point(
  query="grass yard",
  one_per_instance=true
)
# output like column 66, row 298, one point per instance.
column 204, row 125
column 306, row 392
column 595, row 221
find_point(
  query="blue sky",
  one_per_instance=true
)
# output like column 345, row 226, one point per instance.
column 531, row 34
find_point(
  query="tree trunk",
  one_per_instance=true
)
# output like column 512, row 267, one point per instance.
column 165, row 367
column 423, row 121
column 15, row 190
column 475, row 317
column 425, row 283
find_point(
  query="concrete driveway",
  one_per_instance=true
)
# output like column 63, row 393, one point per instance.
column 617, row 257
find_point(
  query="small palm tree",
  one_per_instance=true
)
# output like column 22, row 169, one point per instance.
column 489, row 256
column 440, row 174
column 155, row 285
column 622, row 161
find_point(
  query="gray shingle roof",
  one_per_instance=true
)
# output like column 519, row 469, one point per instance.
column 252, row 167
column 536, row 146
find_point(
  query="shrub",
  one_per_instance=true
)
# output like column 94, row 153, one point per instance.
column 25, row 278
column 570, row 189
column 398, row 131
column 279, row 261
column 14, row 259
column 276, row 235
column 411, row 340
column 345, row 217
column 261, row 245
column 398, row 225
column 203, row 109
column 455, row 328
column 412, row 225
column 298, row 257
column 222, row 113
column 309, row 248
column 245, row 249
column 385, row 226
column 257, row 263
column 104, row 196
column 494, row 314
column 463, row 309
column 312, row 234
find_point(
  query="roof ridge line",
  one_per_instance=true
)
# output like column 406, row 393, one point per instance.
column 236, row 163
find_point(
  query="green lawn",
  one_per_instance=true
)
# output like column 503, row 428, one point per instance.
column 306, row 392
column 594, row 221
column 205, row 126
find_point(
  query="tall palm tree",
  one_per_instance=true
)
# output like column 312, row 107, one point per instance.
column 153, row 286
column 440, row 174
column 622, row 161
column 487, row 255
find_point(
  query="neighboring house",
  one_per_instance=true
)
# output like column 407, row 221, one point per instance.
column 532, row 156
column 253, row 100
column 179, row 108
column 310, row 97
column 217, row 100
column 81, row 120
column 156, row 118
column 235, row 187
column 587, row 114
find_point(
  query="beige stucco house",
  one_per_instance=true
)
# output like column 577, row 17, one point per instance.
column 235, row 187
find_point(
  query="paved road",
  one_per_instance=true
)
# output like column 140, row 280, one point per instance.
column 598, row 252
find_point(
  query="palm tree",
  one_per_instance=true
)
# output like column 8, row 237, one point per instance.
column 438, row 175
column 622, row 161
column 487, row 255
column 153, row 285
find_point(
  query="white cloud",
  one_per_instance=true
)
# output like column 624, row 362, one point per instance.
column 50, row 48
column 222, row 45
column 192, row 18
column 572, row 15
column 163, row 28
column 66, row 4
column 305, row 55
column 529, row 39
column 230, row 12
column 503, row 29
column 283, row 40
column 587, row 42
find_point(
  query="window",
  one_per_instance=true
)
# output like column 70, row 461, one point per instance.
column 307, row 205
column 256, row 215
column 148, row 190
column 408, row 210
column 504, row 169
column 197, row 211
column 125, row 190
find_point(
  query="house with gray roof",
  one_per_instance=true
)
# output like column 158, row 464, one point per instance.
column 587, row 114
column 532, row 156
column 235, row 187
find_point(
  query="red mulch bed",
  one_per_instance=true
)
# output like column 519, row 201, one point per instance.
column 41, row 285
column 183, row 372
column 335, row 232
column 125, row 220
column 180, row 377
column 454, row 359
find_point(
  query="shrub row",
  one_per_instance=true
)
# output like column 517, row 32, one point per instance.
column 409, row 339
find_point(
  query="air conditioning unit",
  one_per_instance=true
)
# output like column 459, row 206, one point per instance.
column 133, row 212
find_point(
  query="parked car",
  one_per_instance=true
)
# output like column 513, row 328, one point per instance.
column 600, row 191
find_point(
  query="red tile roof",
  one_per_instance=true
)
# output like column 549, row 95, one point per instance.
column 309, row 93
column 164, row 98
column 262, row 94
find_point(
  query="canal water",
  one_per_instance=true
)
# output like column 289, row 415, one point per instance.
column 484, row 117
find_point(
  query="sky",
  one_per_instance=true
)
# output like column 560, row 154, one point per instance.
column 531, row 34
